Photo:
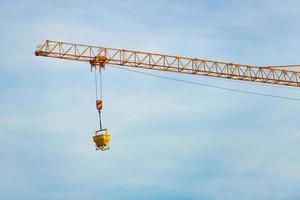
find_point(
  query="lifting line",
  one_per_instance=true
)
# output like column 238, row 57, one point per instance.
column 99, row 99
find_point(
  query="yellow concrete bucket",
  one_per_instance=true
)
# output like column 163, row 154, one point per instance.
column 102, row 139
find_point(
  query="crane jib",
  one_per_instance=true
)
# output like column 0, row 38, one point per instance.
column 100, row 56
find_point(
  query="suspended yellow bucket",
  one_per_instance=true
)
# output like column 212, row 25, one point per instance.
column 102, row 139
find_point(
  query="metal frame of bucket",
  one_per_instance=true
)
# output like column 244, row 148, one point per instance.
column 97, row 138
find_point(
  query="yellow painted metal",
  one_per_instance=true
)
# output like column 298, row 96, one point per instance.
column 99, row 56
column 102, row 139
column 98, row 61
column 99, row 104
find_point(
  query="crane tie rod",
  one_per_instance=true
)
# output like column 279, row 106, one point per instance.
column 210, row 86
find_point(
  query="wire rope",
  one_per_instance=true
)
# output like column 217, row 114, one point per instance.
column 210, row 86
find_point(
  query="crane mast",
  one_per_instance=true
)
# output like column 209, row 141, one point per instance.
column 100, row 56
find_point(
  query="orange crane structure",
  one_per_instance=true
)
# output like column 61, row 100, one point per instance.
column 98, row 57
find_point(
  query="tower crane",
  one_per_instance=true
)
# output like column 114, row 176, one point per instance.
column 98, row 57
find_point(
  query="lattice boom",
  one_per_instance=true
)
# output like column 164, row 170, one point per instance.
column 95, row 55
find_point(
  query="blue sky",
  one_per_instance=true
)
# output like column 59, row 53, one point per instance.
column 169, row 140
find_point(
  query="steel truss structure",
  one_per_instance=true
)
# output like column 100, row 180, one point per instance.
column 100, row 56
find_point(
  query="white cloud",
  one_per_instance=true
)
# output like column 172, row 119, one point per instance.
column 166, row 136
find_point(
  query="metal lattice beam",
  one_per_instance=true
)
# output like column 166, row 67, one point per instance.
column 99, row 56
